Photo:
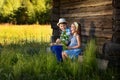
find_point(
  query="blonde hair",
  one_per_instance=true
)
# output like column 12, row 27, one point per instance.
column 78, row 27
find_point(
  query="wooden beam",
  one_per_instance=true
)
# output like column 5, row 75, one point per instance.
column 85, row 9
column 102, row 22
column 87, row 14
column 85, row 4
column 98, row 34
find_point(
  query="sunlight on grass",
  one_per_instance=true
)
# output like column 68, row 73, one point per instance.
column 17, row 33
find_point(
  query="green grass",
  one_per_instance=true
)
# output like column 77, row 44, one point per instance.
column 30, row 61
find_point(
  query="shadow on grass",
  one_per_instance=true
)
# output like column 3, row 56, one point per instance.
column 26, row 47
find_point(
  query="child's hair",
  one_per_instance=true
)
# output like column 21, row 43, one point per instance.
column 78, row 28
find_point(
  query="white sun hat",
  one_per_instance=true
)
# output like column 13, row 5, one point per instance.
column 61, row 20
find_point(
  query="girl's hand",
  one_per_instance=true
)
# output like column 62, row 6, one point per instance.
column 69, row 47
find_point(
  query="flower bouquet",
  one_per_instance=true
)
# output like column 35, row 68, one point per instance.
column 64, row 39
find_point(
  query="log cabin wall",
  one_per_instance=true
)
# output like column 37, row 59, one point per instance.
column 95, row 17
column 99, row 19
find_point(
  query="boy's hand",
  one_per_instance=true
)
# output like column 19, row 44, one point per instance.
column 58, row 41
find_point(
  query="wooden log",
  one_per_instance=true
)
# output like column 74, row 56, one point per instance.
column 93, row 29
column 84, row 3
column 97, row 34
column 101, row 41
column 116, row 37
column 69, row 1
column 85, row 9
column 87, row 14
column 77, row 8
column 102, row 22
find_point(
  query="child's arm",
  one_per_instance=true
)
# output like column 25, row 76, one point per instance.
column 58, row 41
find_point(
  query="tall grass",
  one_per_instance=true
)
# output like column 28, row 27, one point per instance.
column 18, row 34
column 30, row 61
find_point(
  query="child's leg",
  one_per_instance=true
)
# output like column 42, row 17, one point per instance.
column 64, row 55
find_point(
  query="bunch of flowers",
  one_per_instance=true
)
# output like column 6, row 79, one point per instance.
column 64, row 39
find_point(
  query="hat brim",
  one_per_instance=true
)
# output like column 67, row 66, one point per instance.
column 61, row 23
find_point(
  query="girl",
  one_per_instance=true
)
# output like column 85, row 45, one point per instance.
column 73, row 50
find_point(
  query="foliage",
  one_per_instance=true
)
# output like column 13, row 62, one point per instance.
column 21, row 15
column 25, row 11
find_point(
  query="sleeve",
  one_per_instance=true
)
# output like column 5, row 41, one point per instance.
column 68, row 32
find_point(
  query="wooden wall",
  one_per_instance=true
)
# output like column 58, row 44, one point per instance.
column 99, row 19
column 95, row 17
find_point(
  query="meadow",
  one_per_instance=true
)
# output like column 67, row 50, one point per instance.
column 18, row 33
column 23, row 56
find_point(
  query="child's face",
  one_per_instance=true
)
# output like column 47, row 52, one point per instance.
column 73, row 28
column 62, row 27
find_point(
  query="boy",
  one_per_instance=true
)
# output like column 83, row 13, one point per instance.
column 56, row 48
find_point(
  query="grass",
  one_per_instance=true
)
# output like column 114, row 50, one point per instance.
column 29, row 60
column 20, row 33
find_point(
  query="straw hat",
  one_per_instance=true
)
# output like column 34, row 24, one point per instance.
column 61, row 20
